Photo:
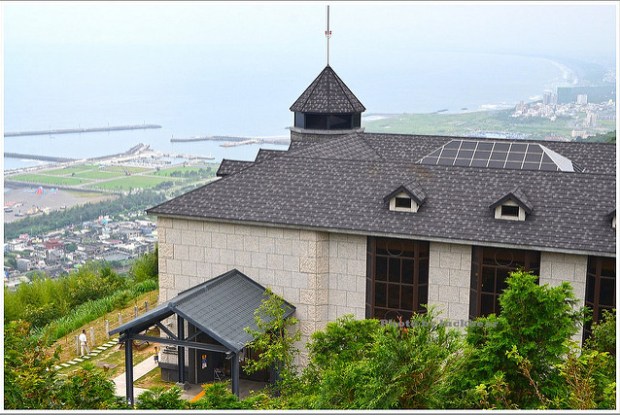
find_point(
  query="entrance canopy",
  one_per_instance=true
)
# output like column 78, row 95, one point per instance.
column 221, row 308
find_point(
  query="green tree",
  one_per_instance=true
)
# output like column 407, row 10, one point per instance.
column 603, row 337
column 145, row 267
column 88, row 388
column 29, row 378
column 31, row 382
column 360, row 364
column 274, row 338
column 70, row 247
column 10, row 260
column 518, row 351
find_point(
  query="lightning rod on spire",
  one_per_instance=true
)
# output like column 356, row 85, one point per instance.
column 328, row 34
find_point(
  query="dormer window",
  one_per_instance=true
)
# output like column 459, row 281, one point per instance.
column 402, row 202
column 406, row 198
column 508, row 210
column 512, row 206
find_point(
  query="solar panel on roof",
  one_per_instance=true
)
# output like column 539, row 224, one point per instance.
column 499, row 155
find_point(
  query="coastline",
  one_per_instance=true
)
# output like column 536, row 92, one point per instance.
column 568, row 74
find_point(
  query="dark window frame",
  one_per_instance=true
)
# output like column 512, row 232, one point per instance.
column 490, row 267
column 510, row 211
column 598, row 271
column 403, row 202
column 321, row 121
column 402, row 273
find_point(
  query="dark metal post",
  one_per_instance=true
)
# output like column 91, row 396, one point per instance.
column 129, row 369
column 181, row 349
column 234, row 373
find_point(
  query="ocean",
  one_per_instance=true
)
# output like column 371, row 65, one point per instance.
column 192, row 94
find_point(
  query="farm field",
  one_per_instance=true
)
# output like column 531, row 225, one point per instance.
column 49, row 180
column 131, row 182
column 117, row 178
column 67, row 171
column 102, row 174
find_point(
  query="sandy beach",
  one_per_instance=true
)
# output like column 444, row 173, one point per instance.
column 21, row 199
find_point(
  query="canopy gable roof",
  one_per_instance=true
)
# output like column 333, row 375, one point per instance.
column 221, row 307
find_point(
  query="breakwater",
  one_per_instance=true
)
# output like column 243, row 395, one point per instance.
column 82, row 130
column 233, row 141
column 36, row 157
column 208, row 138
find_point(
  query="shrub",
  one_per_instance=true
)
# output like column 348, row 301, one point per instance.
column 160, row 398
column 30, row 381
column 218, row 396
column 145, row 267
column 519, row 350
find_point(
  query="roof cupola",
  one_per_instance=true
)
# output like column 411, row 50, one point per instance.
column 327, row 106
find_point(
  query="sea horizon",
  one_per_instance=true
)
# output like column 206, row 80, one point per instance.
column 250, row 102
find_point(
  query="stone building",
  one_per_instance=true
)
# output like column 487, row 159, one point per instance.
column 380, row 225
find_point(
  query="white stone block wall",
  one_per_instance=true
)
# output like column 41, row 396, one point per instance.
column 347, row 276
column 322, row 274
column 556, row 268
column 449, row 278
column 295, row 264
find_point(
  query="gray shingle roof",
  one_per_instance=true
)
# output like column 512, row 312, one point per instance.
column 327, row 94
column 264, row 154
column 518, row 196
column 339, row 185
column 228, row 167
column 413, row 189
column 221, row 307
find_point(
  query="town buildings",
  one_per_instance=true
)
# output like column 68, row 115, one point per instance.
column 59, row 252
column 382, row 225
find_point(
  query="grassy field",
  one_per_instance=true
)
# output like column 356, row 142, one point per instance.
column 475, row 122
column 131, row 182
column 99, row 174
column 67, row 171
column 49, row 180
column 130, row 169
column 119, row 178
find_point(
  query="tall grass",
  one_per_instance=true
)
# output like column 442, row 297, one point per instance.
column 92, row 310
column 45, row 299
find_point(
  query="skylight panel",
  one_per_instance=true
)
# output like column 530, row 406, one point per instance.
column 499, row 155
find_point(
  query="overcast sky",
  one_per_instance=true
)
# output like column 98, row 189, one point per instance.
column 275, row 30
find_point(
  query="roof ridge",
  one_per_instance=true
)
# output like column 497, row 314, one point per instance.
column 310, row 89
column 315, row 149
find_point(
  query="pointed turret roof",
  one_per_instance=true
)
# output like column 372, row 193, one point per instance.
column 328, row 94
